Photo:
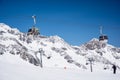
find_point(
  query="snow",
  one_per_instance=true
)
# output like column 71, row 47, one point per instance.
column 13, row 68
column 66, row 62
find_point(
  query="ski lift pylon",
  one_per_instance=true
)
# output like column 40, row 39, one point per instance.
column 34, row 19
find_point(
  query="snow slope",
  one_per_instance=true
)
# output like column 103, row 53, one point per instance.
column 56, row 53
column 13, row 68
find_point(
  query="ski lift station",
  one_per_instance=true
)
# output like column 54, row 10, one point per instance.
column 33, row 30
column 103, row 38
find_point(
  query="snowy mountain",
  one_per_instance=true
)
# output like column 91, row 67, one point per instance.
column 53, row 51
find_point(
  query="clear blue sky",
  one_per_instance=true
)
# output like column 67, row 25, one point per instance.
column 76, row 21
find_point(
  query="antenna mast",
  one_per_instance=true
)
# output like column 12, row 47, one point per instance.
column 101, row 30
column 34, row 19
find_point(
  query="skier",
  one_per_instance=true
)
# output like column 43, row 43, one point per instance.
column 114, row 68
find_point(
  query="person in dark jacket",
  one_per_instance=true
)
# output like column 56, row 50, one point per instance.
column 114, row 68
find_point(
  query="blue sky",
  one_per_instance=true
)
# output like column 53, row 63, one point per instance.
column 76, row 21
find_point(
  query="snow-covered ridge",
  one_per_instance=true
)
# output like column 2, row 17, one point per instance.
column 56, row 52
column 6, row 28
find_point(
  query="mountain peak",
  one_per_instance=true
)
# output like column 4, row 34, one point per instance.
column 94, row 39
